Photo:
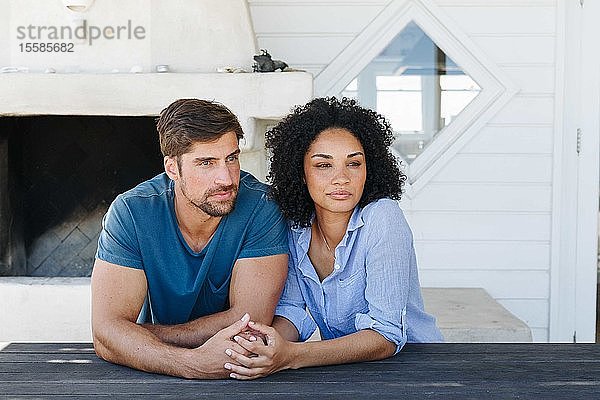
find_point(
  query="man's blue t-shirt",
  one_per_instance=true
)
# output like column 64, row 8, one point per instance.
column 140, row 231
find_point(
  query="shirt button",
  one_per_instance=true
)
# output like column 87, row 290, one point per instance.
column 336, row 266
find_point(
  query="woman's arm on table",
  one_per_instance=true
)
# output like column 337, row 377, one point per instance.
column 279, row 354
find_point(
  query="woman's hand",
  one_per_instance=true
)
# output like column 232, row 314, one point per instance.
column 268, row 358
column 252, row 335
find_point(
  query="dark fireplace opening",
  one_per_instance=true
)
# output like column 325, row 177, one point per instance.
column 58, row 175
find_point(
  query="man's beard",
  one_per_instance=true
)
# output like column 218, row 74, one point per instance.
column 213, row 208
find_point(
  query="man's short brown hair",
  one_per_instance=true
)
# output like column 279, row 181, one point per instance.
column 187, row 121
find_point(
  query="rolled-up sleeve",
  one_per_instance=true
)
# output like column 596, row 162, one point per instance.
column 292, row 306
column 388, row 261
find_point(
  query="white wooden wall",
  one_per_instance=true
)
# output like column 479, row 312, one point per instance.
column 485, row 219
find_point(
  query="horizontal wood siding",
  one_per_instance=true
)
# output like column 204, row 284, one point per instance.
column 512, row 139
column 498, row 168
column 474, row 226
column 482, row 197
column 533, row 312
column 500, row 284
column 527, row 110
column 316, row 18
column 492, row 18
column 532, row 78
column 483, row 255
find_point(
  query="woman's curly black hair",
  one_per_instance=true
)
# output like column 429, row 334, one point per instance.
column 290, row 139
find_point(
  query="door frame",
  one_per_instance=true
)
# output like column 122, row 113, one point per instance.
column 573, row 272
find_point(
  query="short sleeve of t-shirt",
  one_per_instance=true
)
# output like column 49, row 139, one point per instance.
column 267, row 232
column 118, row 243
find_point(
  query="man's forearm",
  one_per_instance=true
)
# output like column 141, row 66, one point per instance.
column 129, row 344
column 196, row 332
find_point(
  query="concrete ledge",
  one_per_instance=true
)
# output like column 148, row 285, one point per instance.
column 472, row 315
column 45, row 309
column 58, row 310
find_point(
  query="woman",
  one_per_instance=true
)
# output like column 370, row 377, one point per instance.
column 351, row 260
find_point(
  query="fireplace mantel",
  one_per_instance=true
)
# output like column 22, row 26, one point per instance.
column 250, row 96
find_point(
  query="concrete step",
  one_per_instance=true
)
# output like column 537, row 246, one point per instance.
column 472, row 315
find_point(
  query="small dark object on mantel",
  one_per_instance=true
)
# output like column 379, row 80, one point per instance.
column 264, row 63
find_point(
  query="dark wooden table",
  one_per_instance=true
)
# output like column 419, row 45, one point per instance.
column 444, row 371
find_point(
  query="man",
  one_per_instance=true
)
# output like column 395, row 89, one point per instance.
column 198, row 246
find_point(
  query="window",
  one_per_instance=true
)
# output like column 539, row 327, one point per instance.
column 416, row 86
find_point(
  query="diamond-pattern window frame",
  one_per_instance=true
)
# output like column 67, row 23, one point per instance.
column 496, row 88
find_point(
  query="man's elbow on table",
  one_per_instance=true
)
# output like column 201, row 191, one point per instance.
column 105, row 335
column 99, row 348
column 122, row 342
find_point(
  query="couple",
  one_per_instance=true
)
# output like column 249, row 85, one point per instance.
column 182, row 256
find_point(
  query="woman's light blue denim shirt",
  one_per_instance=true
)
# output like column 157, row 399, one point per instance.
column 374, row 283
